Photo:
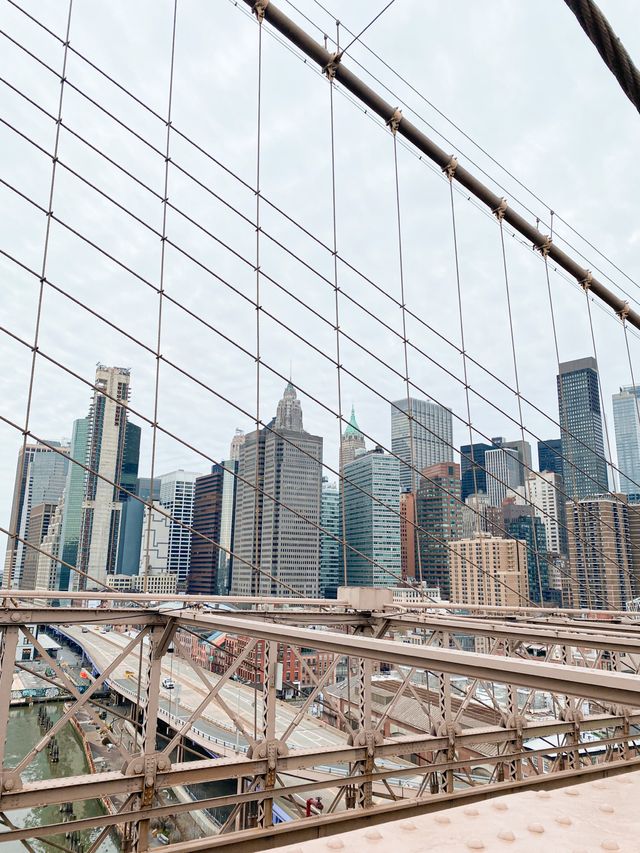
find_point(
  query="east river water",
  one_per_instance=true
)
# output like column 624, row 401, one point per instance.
column 24, row 732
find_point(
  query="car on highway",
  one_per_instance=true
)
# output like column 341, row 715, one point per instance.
column 168, row 683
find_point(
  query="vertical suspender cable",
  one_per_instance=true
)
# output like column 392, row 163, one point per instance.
column 417, row 539
column 13, row 541
column 534, row 517
column 336, row 289
column 161, row 289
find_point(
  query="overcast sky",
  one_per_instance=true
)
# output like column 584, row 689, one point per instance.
column 518, row 77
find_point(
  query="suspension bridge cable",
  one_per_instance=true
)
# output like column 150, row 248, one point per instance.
column 334, row 229
column 375, row 102
column 519, row 402
column 161, row 289
column 609, row 46
column 284, row 325
column 301, row 389
column 11, row 566
column 470, row 139
column 442, row 337
column 417, row 541
column 462, row 344
column 363, row 31
column 417, row 528
column 237, row 476
column 289, row 47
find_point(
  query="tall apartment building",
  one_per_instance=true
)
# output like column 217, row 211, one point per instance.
column 331, row 556
column 490, row 570
column 47, row 570
column 352, row 441
column 372, row 521
column 177, row 495
column 584, row 466
column 227, row 525
column 207, row 514
column 410, row 570
column 439, row 520
column 277, row 525
column 550, row 455
column 213, row 517
column 40, row 478
column 520, row 521
column 113, row 449
column 39, row 519
column 544, row 492
column 604, row 550
column 503, row 473
column 473, row 475
column 522, row 449
column 421, row 436
column 626, row 421
column 154, row 542
column 132, row 525
column 72, row 502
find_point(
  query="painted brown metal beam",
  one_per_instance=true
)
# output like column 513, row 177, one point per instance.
column 555, row 678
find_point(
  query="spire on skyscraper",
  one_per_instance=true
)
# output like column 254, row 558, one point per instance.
column 289, row 413
column 352, row 427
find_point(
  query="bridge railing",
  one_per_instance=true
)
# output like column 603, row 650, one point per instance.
column 389, row 710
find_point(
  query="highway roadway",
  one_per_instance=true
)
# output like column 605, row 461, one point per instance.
column 214, row 725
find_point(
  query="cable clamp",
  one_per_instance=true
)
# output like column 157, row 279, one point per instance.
column 393, row 123
column 501, row 209
column 623, row 313
column 586, row 282
column 332, row 65
column 544, row 248
column 259, row 8
column 450, row 168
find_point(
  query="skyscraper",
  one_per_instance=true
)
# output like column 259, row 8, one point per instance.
column 236, row 443
column 584, row 467
column 40, row 478
column 626, row 421
column 488, row 569
column 421, row 436
column 603, row 549
column 544, row 493
column 331, row 562
column 113, row 446
column 523, row 453
column 133, row 514
column 73, row 497
column 550, row 455
column 280, row 536
column 408, row 563
column 439, row 520
column 472, row 469
column 39, row 519
column 177, row 494
column 207, row 570
column 503, row 473
column 520, row 522
column 352, row 441
column 47, row 574
column 372, row 506
column 227, row 526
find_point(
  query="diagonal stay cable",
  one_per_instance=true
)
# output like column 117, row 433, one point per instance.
column 308, row 343
column 347, row 296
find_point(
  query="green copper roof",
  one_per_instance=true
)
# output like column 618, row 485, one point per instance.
column 352, row 427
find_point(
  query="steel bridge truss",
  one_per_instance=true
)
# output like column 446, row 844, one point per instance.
column 546, row 699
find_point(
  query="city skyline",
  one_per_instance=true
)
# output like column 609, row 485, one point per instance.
column 175, row 559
